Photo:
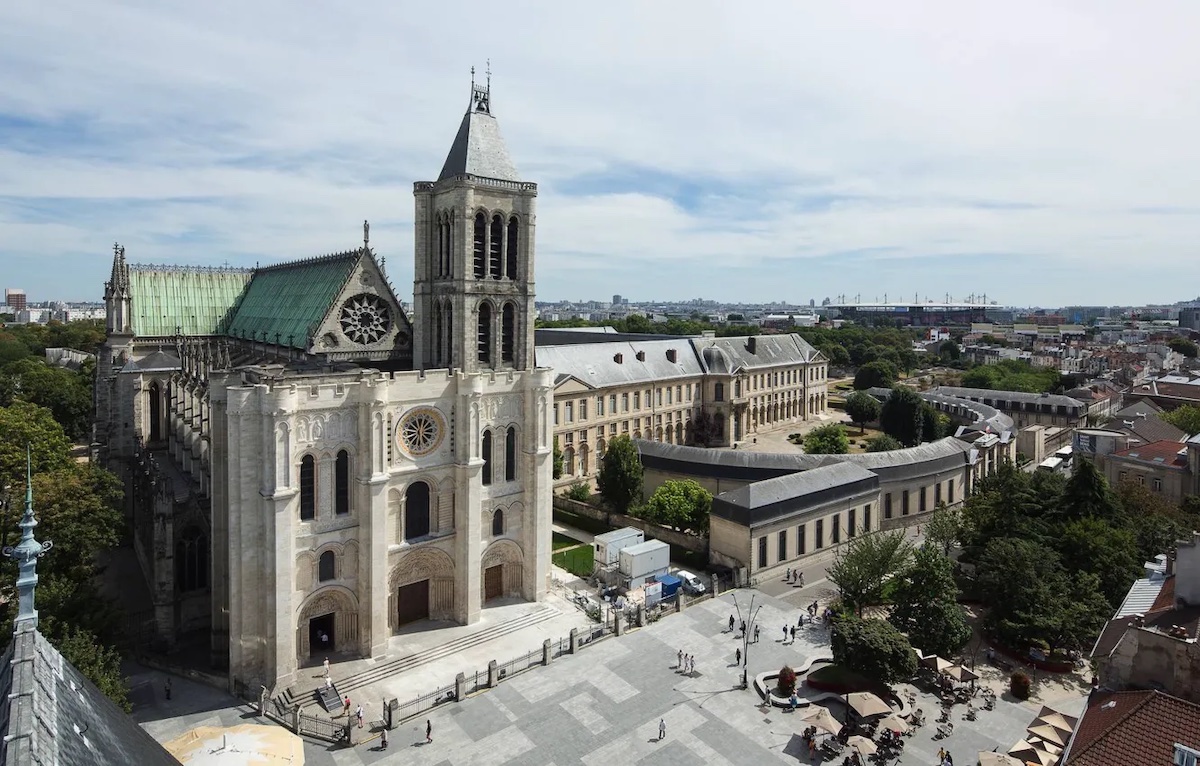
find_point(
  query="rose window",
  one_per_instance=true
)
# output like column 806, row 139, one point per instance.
column 365, row 319
column 421, row 431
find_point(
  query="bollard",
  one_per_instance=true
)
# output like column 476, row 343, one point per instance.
column 493, row 674
column 715, row 583
column 296, row 719
column 618, row 623
column 460, row 687
column 574, row 640
column 546, row 652
column 641, row 615
column 349, row 732
column 679, row 605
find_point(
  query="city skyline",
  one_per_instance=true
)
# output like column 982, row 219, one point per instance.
column 1034, row 150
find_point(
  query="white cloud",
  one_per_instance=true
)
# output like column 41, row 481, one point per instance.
column 919, row 132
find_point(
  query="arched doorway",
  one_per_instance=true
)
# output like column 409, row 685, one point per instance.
column 421, row 586
column 328, row 622
column 502, row 570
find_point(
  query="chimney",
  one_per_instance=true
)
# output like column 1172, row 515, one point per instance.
column 752, row 344
column 671, row 355
column 1170, row 570
column 641, row 356
column 619, row 358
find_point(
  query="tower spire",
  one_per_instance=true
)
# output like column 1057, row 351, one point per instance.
column 27, row 552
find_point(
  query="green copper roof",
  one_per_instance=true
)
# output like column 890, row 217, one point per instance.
column 189, row 300
column 285, row 303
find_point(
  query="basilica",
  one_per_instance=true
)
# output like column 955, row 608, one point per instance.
column 307, row 469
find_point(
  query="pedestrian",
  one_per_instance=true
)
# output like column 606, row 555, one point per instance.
column 359, row 715
column 800, row 578
column 793, row 634
column 428, row 731
column 346, row 707
column 743, row 627
column 691, row 659
column 756, row 634
column 731, row 623
column 167, row 688
column 738, row 656
column 941, row 755
column 328, row 682
column 785, row 633
column 680, row 663
column 326, row 667
column 662, row 728
column 383, row 739
column 812, row 748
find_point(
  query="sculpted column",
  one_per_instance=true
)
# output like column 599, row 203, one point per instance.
column 373, row 560
column 467, row 502
column 537, row 457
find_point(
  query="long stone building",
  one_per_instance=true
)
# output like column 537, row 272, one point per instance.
column 308, row 470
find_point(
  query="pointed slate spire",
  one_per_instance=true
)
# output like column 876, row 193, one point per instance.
column 27, row 552
column 478, row 148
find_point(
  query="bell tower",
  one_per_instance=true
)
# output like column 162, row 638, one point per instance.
column 473, row 286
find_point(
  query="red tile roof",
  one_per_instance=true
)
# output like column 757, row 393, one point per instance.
column 1133, row 728
column 1160, row 453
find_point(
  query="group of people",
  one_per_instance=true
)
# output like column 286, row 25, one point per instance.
column 687, row 663
column 795, row 576
column 944, row 757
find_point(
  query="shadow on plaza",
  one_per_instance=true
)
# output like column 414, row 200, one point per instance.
column 148, row 695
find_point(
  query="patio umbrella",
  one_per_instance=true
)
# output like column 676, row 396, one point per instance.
column 1055, row 719
column 1025, row 751
column 820, row 717
column 861, row 745
column 959, row 673
column 1051, row 715
column 936, row 662
column 893, row 722
column 867, row 705
column 989, row 758
column 1048, row 733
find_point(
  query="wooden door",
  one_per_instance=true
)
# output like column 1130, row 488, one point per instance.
column 493, row 582
column 412, row 602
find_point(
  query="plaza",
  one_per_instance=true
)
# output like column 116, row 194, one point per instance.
column 603, row 705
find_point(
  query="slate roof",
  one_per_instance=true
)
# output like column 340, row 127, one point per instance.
column 478, row 149
column 157, row 361
column 764, row 501
column 1138, row 727
column 594, row 364
column 1148, row 429
column 768, row 351
column 1139, row 407
column 187, row 299
column 1164, row 454
column 1010, row 396
column 289, row 300
column 50, row 713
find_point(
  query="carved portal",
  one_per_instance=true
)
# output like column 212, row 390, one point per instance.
column 430, row 564
column 506, row 554
column 342, row 604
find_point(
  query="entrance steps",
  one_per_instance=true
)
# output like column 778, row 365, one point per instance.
column 330, row 697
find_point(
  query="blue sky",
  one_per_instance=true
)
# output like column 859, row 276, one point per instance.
column 1042, row 152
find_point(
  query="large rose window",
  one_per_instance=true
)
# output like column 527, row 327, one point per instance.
column 365, row 319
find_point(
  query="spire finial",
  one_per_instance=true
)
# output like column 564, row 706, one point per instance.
column 472, row 77
column 27, row 552
column 366, row 233
column 489, row 75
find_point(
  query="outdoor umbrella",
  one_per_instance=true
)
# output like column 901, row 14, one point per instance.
column 893, row 722
column 867, row 705
column 820, row 717
column 1049, row 747
column 1053, row 718
column 861, row 745
column 936, row 662
column 1048, row 733
column 988, row 758
column 959, row 673
column 1025, row 751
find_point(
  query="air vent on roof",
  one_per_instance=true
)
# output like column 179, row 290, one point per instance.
column 641, row 356
column 671, row 355
column 618, row 358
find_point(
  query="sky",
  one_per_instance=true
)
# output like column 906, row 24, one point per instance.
column 1044, row 153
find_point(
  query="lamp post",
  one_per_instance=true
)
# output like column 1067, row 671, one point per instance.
column 753, row 618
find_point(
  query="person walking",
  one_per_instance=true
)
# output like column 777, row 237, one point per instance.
column 428, row 731
column 800, row 578
column 346, row 707
column 326, row 667
column 662, row 729
column 756, row 634
column 785, row 633
column 743, row 627
column 328, row 682
column 679, row 664
column 793, row 634
column 731, row 623
column 738, row 656
column 359, row 715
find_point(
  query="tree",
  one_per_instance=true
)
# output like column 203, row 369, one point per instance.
column 21, row 424
column 861, row 570
column 1093, row 545
column 1087, row 494
column 873, row 648
column 620, row 477
column 1184, row 346
column 558, row 460
column 926, row 604
column 79, row 508
column 943, row 526
column 679, row 504
column 99, row 664
column 882, row 443
column 877, row 374
column 932, row 425
column 949, row 351
column 63, row 392
column 1185, row 418
column 828, row 439
column 862, row 409
column 902, row 416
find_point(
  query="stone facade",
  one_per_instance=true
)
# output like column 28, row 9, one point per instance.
column 307, row 469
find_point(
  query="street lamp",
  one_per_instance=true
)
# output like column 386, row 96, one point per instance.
column 753, row 613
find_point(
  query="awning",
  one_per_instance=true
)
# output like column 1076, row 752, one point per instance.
column 936, row 662
column 820, row 717
column 867, row 705
column 861, row 745
column 959, row 673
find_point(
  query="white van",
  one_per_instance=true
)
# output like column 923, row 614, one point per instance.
column 691, row 583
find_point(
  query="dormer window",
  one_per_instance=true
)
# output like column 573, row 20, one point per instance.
column 641, row 356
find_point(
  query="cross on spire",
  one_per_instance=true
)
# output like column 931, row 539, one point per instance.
column 27, row 552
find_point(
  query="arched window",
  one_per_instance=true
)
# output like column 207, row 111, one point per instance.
column 513, row 252
column 341, row 483
column 485, row 452
column 718, row 392
column 191, row 561
column 326, row 567
column 155, row 412
column 308, row 488
column 508, row 332
column 484, row 334
column 480, row 251
column 498, row 523
column 438, row 340
column 448, row 268
column 497, row 241
column 449, row 336
column 510, row 454
column 416, row 510
column 442, row 228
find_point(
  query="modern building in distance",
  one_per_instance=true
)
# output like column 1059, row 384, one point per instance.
column 911, row 314
column 14, row 299
column 1189, row 318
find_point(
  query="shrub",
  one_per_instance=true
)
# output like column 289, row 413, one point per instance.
column 1019, row 685
column 579, row 491
column 787, row 681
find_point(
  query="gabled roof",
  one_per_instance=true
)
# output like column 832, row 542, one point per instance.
column 285, row 303
column 756, row 351
column 596, row 365
column 1133, row 728
column 1164, row 454
column 478, row 149
column 191, row 300
column 50, row 713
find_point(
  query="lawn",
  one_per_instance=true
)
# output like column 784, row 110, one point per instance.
column 860, row 439
column 558, row 541
column 578, row 560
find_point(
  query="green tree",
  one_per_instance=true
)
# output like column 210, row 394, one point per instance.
column 873, row 648
column 680, row 504
column 862, row 409
column 828, row 439
column 1013, row 375
column 22, row 423
column 558, row 460
column 1087, row 494
column 79, row 508
column 902, row 416
column 926, row 606
column 942, row 529
column 836, row 354
column 620, row 477
column 63, row 392
column 1092, row 545
column 1184, row 346
column 1185, row 418
column 882, row 443
column 877, row 374
column 860, row 571
column 933, row 423
column 949, row 351
column 99, row 664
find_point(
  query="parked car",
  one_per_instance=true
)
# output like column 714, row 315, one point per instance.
column 691, row 583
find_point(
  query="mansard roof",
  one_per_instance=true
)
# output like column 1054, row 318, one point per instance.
column 191, row 300
column 285, row 303
column 478, row 149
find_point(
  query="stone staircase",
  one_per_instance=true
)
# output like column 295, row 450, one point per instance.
column 291, row 696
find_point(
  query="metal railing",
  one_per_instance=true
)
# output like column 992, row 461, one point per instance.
column 322, row 728
column 425, row 702
column 525, row 662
